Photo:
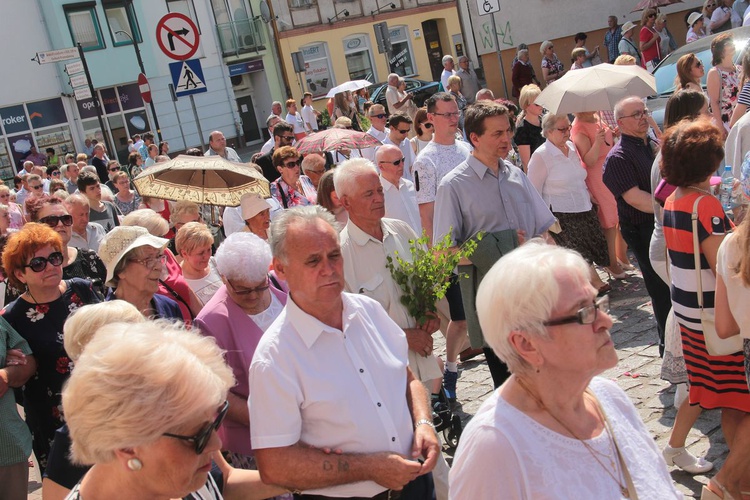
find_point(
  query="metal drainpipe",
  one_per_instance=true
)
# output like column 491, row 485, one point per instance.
column 277, row 47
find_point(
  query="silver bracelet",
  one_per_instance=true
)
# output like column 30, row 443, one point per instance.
column 424, row 421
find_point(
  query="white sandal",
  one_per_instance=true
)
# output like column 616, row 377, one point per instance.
column 682, row 458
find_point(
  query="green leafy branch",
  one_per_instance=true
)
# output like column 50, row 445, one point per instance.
column 426, row 278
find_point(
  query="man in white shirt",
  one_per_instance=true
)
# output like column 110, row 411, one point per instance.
column 399, row 126
column 448, row 71
column 217, row 145
column 309, row 114
column 440, row 156
column 378, row 118
column 400, row 196
column 392, row 96
column 269, row 144
column 294, row 118
column 332, row 373
column 84, row 234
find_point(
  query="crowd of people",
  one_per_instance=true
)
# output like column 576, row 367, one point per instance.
column 166, row 349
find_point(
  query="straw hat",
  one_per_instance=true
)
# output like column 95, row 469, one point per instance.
column 252, row 204
column 627, row 27
column 693, row 18
column 122, row 239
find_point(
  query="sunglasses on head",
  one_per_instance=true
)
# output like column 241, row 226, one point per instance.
column 39, row 264
column 201, row 439
column 53, row 220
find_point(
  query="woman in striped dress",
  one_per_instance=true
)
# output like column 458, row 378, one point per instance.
column 691, row 153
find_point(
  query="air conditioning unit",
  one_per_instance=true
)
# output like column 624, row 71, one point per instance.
column 240, row 82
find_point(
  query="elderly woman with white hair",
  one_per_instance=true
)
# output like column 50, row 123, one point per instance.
column 556, row 172
column 560, row 429
column 154, row 437
column 237, row 316
column 193, row 242
column 552, row 67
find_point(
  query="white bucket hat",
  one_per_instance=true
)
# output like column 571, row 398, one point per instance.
column 627, row 27
column 693, row 18
column 122, row 239
column 252, row 204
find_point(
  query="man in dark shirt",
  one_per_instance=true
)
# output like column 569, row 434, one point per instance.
column 627, row 171
column 283, row 135
column 100, row 163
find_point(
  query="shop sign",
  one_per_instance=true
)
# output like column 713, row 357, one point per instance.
column 313, row 51
column 110, row 102
column 130, row 96
column 354, row 43
column 246, row 67
column 397, row 34
column 318, row 77
column 14, row 119
column 47, row 113
column 86, row 108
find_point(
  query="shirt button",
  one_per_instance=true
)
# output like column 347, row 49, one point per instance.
column 361, row 370
column 393, row 439
column 379, row 405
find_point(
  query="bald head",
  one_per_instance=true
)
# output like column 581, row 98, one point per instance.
column 390, row 161
column 485, row 95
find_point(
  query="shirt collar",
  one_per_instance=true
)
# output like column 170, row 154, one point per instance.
column 361, row 238
column 388, row 185
column 480, row 168
column 310, row 328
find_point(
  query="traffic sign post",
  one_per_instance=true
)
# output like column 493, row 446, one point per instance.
column 487, row 7
column 177, row 36
column 187, row 77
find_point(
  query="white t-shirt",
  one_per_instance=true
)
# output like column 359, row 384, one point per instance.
column 205, row 288
column 308, row 116
column 738, row 294
column 444, row 78
column 504, row 450
column 296, row 121
column 433, row 163
column 268, row 146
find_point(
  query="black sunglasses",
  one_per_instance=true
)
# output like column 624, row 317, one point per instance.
column 292, row 164
column 381, row 116
column 53, row 220
column 201, row 439
column 39, row 264
column 397, row 162
column 114, row 169
column 427, row 125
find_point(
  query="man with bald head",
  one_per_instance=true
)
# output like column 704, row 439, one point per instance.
column 393, row 97
column 400, row 196
column 378, row 118
column 484, row 95
column 627, row 173
column 217, row 145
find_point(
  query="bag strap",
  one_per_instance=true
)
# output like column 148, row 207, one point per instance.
column 697, row 251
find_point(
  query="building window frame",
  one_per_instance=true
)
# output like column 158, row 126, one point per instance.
column 409, row 46
column 320, row 86
column 90, row 9
column 302, row 4
column 359, row 43
column 132, row 23
column 190, row 10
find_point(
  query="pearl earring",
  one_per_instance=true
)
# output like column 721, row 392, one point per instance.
column 134, row 464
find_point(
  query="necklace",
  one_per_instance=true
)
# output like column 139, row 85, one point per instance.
column 616, row 476
column 700, row 189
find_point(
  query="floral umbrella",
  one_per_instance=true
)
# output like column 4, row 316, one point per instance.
column 333, row 139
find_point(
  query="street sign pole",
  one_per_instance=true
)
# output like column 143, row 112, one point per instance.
column 177, row 114
column 197, row 122
column 97, row 104
column 499, row 56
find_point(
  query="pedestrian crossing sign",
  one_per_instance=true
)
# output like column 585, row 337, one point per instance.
column 187, row 77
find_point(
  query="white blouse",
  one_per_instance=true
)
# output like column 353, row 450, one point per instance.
column 738, row 294
column 560, row 180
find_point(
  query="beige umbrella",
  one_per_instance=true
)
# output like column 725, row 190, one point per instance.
column 597, row 88
column 206, row 180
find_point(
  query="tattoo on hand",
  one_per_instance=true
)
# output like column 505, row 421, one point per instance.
column 343, row 466
column 327, row 466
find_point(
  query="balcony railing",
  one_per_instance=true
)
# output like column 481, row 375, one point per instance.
column 240, row 37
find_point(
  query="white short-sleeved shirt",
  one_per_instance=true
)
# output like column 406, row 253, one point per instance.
column 267, row 146
column 296, row 121
column 369, row 153
column 308, row 116
column 332, row 388
column 401, row 203
column 738, row 294
column 542, row 464
column 391, row 98
column 433, row 163
column 560, row 179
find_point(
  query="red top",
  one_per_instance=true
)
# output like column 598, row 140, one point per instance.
column 652, row 52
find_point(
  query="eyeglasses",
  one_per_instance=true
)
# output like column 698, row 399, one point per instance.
column 698, row 64
column 449, row 115
column 248, row 291
column 650, row 16
column 151, row 262
column 585, row 315
column 289, row 138
column 55, row 172
column 402, row 132
column 53, row 220
column 201, row 439
column 639, row 114
column 397, row 162
column 564, row 129
column 38, row 186
column 427, row 125
column 291, row 164
column 114, row 169
column 381, row 116
column 39, row 264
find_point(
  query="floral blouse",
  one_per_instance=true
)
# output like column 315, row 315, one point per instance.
column 289, row 196
column 42, row 327
column 554, row 65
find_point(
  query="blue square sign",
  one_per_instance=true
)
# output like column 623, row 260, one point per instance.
column 187, row 77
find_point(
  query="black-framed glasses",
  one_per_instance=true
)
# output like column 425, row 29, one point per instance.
column 380, row 115
column 427, row 125
column 564, row 129
column 291, row 164
column 650, row 16
column 455, row 114
column 638, row 115
column 201, row 439
column 38, row 186
column 397, row 162
column 248, row 291
column 53, row 220
column 114, row 169
column 151, row 262
column 289, row 138
column 39, row 264
column 403, row 132
column 585, row 315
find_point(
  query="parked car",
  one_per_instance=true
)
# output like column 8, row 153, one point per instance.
column 420, row 88
column 666, row 71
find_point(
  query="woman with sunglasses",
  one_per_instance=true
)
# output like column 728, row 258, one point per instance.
column 690, row 70
column 709, row 6
column 155, row 437
column 135, row 262
column 291, row 189
column 17, row 217
column 33, row 259
column 236, row 317
column 77, row 262
column 650, row 40
column 423, row 129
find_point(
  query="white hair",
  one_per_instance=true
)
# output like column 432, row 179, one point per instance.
column 89, row 168
column 544, row 45
column 148, row 219
column 243, row 256
column 76, row 199
column 548, row 122
column 304, row 215
column 520, row 292
column 84, row 322
column 132, row 384
column 311, row 161
column 447, row 58
column 345, row 175
column 620, row 106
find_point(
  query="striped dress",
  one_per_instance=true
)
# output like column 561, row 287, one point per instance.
column 715, row 381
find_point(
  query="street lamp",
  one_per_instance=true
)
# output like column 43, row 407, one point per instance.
column 143, row 70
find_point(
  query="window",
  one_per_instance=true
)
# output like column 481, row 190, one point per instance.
column 301, row 4
column 318, row 73
column 359, row 58
column 402, row 58
column 120, row 19
column 185, row 7
column 84, row 26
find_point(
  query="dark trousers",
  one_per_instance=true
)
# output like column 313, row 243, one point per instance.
column 498, row 369
column 638, row 238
